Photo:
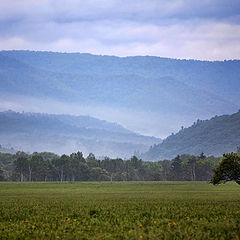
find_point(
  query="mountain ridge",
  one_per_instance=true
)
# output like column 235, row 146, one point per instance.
column 218, row 135
column 167, row 92
column 51, row 132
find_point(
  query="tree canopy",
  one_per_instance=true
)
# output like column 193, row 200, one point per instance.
column 228, row 169
column 47, row 166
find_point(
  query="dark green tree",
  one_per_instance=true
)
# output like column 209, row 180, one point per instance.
column 177, row 169
column 110, row 165
column 192, row 164
column 153, row 171
column 92, row 161
column 98, row 174
column 228, row 170
column 62, row 167
column 120, row 173
column 2, row 176
column 136, row 169
column 77, row 162
column 36, row 168
column 21, row 167
column 166, row 167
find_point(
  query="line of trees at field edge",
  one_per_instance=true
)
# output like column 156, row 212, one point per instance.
column 51, row 167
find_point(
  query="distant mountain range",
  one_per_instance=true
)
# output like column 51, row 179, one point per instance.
column 216, row 136
column 66, row 134
column 158, row 95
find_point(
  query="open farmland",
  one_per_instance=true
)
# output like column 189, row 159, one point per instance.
column 119, row 210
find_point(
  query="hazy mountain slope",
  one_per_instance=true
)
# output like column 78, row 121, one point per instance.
column 216, row 136
column 109, row 84
column 221, row 78
column 20, row 78
column 151, row 95
column 65, row 133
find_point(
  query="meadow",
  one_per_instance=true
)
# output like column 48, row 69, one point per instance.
column 119, row 210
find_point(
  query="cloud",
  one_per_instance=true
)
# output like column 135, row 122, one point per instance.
column 176, row 28
column 205, row 41
column 73, row 10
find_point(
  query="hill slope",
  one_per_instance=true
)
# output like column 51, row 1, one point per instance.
column 143, row 88
column 66, row 134
column 216, row 136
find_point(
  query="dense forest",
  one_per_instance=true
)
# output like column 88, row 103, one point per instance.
column 47, row 166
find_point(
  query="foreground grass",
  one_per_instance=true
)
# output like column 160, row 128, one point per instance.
column 121, row 210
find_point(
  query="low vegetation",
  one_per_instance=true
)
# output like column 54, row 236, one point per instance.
column 119, row 210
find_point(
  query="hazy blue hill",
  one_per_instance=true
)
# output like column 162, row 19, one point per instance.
column 59, row 133
column 140, row 83
column 216, row 136
column 220, row 77
column 18, row 77
column 151, row 95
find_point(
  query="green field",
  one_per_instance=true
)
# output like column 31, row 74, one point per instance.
column 119, row 210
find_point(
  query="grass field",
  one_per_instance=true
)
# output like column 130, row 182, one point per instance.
column 119, row 210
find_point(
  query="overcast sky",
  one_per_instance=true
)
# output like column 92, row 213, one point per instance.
column 206, row 29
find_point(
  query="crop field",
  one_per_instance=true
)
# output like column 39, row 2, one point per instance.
column 119, row 210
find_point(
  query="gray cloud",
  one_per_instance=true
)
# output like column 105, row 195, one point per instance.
column 73, row 10
column 175, row 28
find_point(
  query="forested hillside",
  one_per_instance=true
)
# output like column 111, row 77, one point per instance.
column 220, row 134
column 75, row 73
column 65, row 133
column 148, row 89
column 136, row 83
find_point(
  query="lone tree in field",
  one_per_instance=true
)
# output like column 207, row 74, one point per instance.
column 228, row 170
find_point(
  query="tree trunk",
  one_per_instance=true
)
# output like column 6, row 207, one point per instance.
column 30, row 173
column 194, row 172
column 21, row 177
column 111, row 177
column 73, row 178
column 61, row 174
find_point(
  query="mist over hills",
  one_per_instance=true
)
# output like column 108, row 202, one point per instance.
column 66, row 134
column 220, row 134
column 150, row 95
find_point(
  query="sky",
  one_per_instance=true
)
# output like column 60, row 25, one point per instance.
column 185, row 29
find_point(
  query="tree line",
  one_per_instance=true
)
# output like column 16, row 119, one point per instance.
column 74, row 167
